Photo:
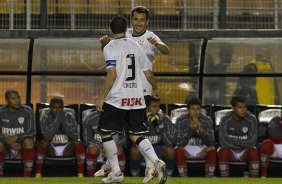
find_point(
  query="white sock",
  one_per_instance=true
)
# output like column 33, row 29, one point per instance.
column 111, row 154
column 107, row 164
column 147, row 148
column 147, row 160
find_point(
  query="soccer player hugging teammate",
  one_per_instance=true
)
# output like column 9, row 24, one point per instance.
column 148, row 40
column 195, row 139
column 161, row 135
column 238, row 138
column 121, row 107
column 17, row 131
column 93, row 141
column 60, row 136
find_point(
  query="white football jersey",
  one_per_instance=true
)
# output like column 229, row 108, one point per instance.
column 150, row 50
column 130, row 61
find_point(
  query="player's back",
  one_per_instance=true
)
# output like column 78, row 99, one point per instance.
column 130, row 60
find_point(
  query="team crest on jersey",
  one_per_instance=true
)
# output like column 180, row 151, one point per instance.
column 21, row 120
column 245, row 129
column 211, row 168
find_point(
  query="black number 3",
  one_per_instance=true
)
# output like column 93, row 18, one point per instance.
column 131, row 67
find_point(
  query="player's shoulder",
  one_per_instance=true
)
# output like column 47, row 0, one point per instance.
column 26, row 108
column 227, row 116
column 130, row 40
column 148, row 32
column 250, row 115
column 182, row 118
column 3, row 108
column 275, row 120
column 110, row 47
column 129, row 31
column 94, row 115
column 205, row 117
column 69, row 113
column 166, row 118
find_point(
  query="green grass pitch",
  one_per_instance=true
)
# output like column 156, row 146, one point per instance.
column 137, row 180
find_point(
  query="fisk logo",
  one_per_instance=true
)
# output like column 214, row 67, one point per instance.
column 131, row 102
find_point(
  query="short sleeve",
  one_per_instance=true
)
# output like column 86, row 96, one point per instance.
column 110, row 56
column 155, row 49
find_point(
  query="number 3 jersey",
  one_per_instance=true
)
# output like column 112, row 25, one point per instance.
column 129, row 60
column 20, row 123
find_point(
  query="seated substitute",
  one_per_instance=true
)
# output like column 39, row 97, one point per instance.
column 195, row 139
column 161, row 132
column 17, row 132
column 93, row 142
column 238, row 138
column 60, row 136
column 272, row 146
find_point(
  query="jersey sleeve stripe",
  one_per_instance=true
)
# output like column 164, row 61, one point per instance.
column 110, row 63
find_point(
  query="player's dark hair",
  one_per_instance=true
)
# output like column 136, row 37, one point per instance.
column 8, row 92
column 152, row 99
column 118, row 24
column 237, row 99
column 57, row 100
column 140, row 9
column 193, row 101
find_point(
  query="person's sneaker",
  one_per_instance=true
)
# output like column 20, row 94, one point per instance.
column 161, row 170
column 150, row 173
column 111, row 178
column 38, row 175
column 104, row 171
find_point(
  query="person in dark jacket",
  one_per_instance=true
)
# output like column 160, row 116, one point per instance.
column 195, row 138
column 238, row 138
column 17, row 132
column 272, row 146
column 60, row 136
column 161, row 135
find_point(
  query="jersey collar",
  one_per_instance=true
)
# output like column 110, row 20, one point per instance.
column 138, row 35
